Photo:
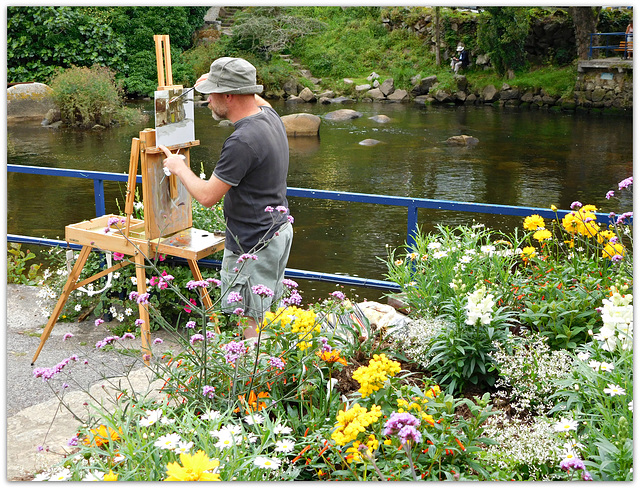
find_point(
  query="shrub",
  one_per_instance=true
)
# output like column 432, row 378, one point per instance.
column 89, row 96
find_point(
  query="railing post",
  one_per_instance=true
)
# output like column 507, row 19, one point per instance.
column 412, row 224
column 98, row 191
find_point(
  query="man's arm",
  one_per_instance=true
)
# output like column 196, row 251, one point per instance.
column 207, row 192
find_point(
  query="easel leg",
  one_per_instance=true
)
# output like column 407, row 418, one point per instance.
column 145, row 331
column 69, row 287
column 204, row 295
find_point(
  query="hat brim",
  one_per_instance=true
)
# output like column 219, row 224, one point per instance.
column 209, row 87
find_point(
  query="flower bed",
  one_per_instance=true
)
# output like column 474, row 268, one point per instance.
column 516, row 365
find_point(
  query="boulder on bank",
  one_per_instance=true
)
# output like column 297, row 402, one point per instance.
column 424, row 86
column 342, row 115
column 307, row 95
column 301, row 124
column 29, row 101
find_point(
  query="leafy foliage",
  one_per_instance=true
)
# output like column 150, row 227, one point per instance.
column 501, row 34
column 41, row 39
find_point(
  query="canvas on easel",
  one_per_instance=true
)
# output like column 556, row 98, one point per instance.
column 166, row 228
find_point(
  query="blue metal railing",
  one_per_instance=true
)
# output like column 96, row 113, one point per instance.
column 412, row 205
column 624, row 45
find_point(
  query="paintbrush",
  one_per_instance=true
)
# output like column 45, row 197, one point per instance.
column 181, row 95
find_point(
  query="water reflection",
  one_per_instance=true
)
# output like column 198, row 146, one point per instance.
column 523, row 158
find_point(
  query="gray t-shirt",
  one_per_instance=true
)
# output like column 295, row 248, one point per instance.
column 254, row 160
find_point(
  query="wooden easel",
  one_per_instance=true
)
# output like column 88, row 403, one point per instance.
column 142, row 239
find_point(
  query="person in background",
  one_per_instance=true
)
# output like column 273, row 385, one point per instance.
column 251, row 174
column 461, row 60
column 628, row 38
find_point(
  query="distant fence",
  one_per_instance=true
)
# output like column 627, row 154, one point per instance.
column 411, row 204
column 615, row 41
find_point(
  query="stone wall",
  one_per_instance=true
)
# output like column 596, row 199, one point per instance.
column 605, row 84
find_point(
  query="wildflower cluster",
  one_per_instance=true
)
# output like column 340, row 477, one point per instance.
column 373, row 376
column 617, row 321
column 479, row 307
column 298, row 321
column 352, row 422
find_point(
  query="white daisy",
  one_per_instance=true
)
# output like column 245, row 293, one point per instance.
column 62, row 475
column 211, row 415
column 285, row 446
column 465, row 259
column 165, row 420
column 565, row 425
column 183, row 447
column 434, row 245
column 78, row 307
column 584, row 356
column 168, row 442
column 253, row 418
column 93, row 476
column 267, row 463
column 281, row 429
column 614, row 390
column 439, row 254
column 225, row 442
column 128, row 311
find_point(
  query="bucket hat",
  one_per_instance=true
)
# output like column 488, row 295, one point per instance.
column 459, row 48
column 230, row 75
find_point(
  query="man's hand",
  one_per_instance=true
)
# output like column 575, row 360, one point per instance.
column 174, row 162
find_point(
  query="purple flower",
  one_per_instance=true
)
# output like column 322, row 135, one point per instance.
column 290, row 218
column 158, row 341
column 295, row 298
column 609, row 194
column 234, row 297
column 282, row 209
column 576, row 205
column 99, row 321
column 326, row 347
column 239, row 311
column 246, row 256
column 338, row 295
column 73, row 441
column 128, row 336
column 67, row 336
column 586, row 476
column 190, row 325
column 623, row 217
column 192, row 284
column 268, row 209
column 208, row 391
column 616, row 258
column 106, row 341
column 262, row 290
column 48, row 373
column 143, row 298
column 409, row 434
column 195, row 338
column 397, row 421
column 214, row 281
column 234, row 350
column 211, row 335
column 133, row 295
column 625, row 183
column 276, row 362
column 139, row 322
column 290, row 284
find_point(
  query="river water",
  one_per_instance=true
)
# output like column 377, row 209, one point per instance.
column 523, row 158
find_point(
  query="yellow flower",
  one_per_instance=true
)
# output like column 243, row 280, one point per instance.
column 605, row 236
column 298, row 321
column 350, row 423
column 554, row 208
column 194, row 468
column 612, row 249
column 412, row 256
column 373, row 376
column 355, row 455
column 110, row 476
column 533, row 222
column 528, row 252
column 542, row 234
column 398, row 263
column 582, row 221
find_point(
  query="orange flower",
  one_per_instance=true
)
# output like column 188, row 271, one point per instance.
column 253, row 403
column 102, row 435
column 332, row 356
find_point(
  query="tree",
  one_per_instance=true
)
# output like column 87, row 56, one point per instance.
column 502, row 32
column 585, row 20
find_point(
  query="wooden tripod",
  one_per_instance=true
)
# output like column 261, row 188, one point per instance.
column 166, row 228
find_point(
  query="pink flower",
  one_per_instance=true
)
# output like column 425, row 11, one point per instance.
column 187, row 308
column 118, row 256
